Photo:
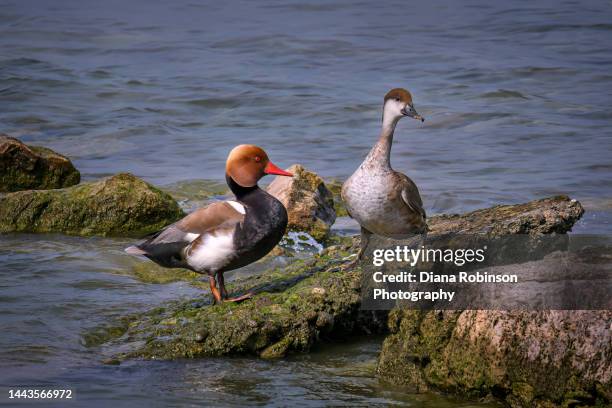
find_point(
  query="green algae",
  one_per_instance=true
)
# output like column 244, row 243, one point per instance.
column 335, row 187
column 430, row 350
column 149, row 272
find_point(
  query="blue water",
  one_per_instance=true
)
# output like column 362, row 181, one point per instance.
column 516, row 98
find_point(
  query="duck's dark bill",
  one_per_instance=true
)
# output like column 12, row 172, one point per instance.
column 411, row 112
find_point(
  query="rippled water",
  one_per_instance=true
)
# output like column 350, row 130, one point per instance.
column 517, row 101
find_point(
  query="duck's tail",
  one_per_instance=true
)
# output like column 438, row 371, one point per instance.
column 134, row 250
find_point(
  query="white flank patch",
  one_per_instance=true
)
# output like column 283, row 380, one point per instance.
column 237, row 206
column 212, row 253
column 190, row 237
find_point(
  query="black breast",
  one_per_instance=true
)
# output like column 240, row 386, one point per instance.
column 263, row 227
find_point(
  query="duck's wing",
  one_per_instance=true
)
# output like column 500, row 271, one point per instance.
column 345, row 198
column 166, row 247
column 409, row 193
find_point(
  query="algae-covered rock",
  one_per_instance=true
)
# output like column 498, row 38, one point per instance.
column 121, row 205
column 310, row 205
column 335, row 187
column 149, row 272
column 25, row 167
column 545, row 216
column 293, row 309
column 525, row 358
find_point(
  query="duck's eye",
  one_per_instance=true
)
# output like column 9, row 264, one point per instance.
column 257, row 159
column 397, row 99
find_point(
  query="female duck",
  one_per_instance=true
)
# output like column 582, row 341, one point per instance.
column 384, row 201
column 224, row 235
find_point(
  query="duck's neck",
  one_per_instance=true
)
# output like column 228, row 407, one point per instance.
column 241, row 193
column 380, row 155
column 260, row 206
column 253, row 197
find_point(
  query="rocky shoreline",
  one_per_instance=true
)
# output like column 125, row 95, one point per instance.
column 521, row 358
column 525, row 359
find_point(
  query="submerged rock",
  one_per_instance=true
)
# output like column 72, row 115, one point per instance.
column 121, row 205
column 297, row 306
column 309, row 203
column 24, row 167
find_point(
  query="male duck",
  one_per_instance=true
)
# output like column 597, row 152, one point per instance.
column 224, row 235
column 384, row 201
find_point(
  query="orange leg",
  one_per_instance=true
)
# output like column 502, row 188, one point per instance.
column 213, row 288
column 247, row 295
column 222, row 285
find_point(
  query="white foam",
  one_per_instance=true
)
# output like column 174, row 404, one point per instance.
column 301, row 242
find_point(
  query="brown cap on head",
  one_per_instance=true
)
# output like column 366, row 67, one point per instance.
column 399, row 94
column 246, row 164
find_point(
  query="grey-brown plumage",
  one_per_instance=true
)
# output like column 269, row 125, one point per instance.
column 384, row 201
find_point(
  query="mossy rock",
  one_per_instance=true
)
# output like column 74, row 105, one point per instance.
column 121, row 205
column 309, row 204
column 335, row 187
column 24, row 167
column 524, row 358
column 293, row 308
